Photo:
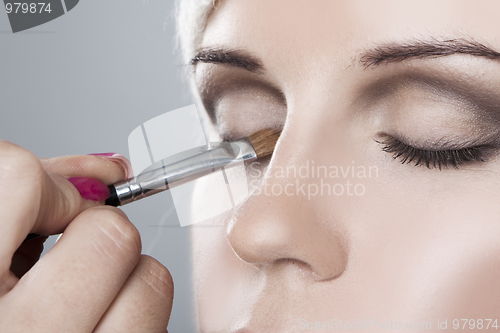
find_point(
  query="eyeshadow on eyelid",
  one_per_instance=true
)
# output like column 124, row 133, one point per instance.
column 241, row 113
column 478, row 100
column 215, row 81
column 227, row 94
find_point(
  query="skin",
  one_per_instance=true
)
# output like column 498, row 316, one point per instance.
column 95, row 277
column 420, row 245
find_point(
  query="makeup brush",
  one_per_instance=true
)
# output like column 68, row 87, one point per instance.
column 187, row 166
column 193, row 164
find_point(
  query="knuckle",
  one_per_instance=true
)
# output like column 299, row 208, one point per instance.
column 17, row 162
column 115, row 229
column 156, row 276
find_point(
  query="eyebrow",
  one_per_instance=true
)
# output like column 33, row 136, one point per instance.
column 235, row 58
column 419, row 49
column 381, row 54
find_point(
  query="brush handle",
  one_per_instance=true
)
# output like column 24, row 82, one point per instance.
column 178, row 170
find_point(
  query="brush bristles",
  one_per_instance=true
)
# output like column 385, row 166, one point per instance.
column 264, row 141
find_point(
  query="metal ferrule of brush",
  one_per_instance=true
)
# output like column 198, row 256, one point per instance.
column 182, row 168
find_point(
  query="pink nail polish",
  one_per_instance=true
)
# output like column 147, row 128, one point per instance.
column 90, row 188
column 120, row 160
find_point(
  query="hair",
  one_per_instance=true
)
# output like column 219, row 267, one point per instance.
column 192, row 16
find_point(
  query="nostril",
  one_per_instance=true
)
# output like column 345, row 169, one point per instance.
column 301, row 267
column 306, row 271
column 296, row 267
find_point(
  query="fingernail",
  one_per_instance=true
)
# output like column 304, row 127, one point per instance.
column 121, row 160
column 90, row 188
column 104, row 154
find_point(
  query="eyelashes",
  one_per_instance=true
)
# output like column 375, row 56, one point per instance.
column 407, row 154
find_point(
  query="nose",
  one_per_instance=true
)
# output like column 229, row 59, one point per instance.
column 281, row 227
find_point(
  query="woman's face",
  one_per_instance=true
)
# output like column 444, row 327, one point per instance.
column 340, row 229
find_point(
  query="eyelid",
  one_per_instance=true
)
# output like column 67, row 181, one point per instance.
column 214, row 80
column 244, row 87
column 475, row 96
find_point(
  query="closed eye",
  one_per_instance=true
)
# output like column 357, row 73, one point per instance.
column 407, row 154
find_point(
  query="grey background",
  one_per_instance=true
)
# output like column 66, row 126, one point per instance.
column 81, row 83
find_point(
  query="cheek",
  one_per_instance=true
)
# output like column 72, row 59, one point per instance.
column 461, row 255
column 226, row 288
column 430, row 244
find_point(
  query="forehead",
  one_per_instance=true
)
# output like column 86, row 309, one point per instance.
column 278, row 29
